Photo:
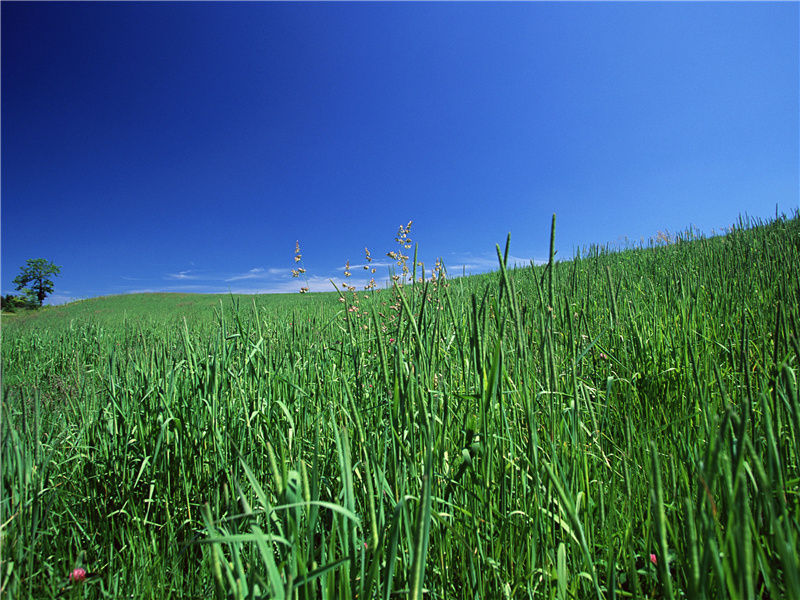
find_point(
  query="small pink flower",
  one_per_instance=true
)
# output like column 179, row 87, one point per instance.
column 77, row 575
column 603, row 356
column 391, row 340
column 653, row 559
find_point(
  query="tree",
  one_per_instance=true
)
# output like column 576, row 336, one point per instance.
column 10, row 303
column 34, row 280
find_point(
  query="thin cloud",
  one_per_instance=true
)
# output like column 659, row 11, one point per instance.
column 261, row 280
column 182, row 275
column 273, row 280
column 257, row 273
column 375, row 264
column 316, row 284
column 260, row 273
column 484, row 263
column 63, row 298
column 194, row 287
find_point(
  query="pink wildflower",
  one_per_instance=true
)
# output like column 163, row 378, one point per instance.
column 77, row 575
column 653, row 559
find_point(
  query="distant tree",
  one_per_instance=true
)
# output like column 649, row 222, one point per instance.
column 8, row 303
column 12, row 303
column 34, row 280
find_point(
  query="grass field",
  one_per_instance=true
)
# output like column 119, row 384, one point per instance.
column 619, row 425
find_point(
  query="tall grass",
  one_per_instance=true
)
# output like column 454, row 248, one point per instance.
column 621, row 425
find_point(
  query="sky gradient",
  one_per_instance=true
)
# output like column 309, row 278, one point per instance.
column 185, row 147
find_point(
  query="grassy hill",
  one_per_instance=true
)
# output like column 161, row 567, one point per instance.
column 623, row 424
column 157, row 308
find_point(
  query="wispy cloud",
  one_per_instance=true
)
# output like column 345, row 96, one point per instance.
column 260, row 273
column 315, row 284
column 188, row 288
column 486, row 262
column 62, row 298
column 375, row 264
column 182, row 275
column 319, row 283
column 274, row 280
column 257, row 273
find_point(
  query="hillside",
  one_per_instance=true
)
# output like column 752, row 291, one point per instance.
column 622, row 424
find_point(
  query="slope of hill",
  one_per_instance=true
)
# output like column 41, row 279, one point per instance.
column 622, row 424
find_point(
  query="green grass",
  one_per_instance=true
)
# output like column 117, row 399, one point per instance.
column 530, row 433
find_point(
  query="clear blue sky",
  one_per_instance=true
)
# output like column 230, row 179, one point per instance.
column 185, row 147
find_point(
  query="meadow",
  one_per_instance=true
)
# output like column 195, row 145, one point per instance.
column 622, row 424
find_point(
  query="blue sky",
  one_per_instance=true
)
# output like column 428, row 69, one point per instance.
column 185, row 147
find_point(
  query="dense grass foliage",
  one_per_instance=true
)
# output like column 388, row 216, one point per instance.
column 621, row 425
